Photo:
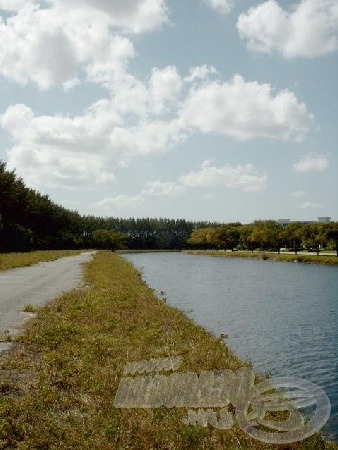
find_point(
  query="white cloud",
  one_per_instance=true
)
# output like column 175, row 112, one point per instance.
column 308, row 29
column 67, row 41
column 312, row 162
column 70, row 84
column 90, row 147
column 120, row 202
column 246, row 178
column 200, row 73
column 309, row 205
column 162, row 189
column 221, row 6
column 86, row 149
column 14, row 5
column 246, row 110
column 133, row 16
column 298, row 194
column 165, row 88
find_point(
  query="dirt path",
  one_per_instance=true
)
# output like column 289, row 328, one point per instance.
column 35, row 286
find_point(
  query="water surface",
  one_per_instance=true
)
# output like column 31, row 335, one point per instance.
column 283, row 317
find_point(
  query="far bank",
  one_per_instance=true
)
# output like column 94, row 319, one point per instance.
column 269, row 256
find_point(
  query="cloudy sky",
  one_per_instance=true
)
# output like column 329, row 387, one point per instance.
column 199, row 109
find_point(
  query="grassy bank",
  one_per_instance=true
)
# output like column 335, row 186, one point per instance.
column 307, row 259
column 58, row 385
column 13, row 260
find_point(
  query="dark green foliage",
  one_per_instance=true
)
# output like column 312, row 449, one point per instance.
column 31, row 221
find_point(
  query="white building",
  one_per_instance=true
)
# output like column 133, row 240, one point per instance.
column 324, row 219
column 285, row 222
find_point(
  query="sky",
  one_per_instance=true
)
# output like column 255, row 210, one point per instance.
column 215, row 110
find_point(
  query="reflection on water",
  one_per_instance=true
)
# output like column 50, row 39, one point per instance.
column 281, row 316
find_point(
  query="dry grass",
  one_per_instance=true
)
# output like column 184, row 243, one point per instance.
column 13, row 260
column 57, row 388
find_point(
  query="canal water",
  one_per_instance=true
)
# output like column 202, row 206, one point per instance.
column 283, row 317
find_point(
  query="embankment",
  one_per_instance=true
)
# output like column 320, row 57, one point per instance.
column 58, row 385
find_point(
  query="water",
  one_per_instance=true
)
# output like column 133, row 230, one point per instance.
column 283, row 317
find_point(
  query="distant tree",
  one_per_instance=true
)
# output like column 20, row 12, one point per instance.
column 228, row 236
column 108, row 240
column 331, row 233
column 204, row 238
column 294, row 235
column 312, row 237
column 246, row 242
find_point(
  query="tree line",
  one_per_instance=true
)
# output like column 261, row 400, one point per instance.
column 32, row 221
column 267, row 235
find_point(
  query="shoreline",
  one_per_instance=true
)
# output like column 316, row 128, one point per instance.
column 61, row 378
column 266, row 256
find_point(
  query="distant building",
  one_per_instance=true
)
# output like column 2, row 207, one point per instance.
column 285, row 222
column 324, row 219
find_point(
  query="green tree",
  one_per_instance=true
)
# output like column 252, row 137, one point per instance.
column 331, row 233
column 204, row 238
column 294, row 235
column 108, row 240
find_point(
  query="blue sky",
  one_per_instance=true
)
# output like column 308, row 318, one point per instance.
column 198, row 109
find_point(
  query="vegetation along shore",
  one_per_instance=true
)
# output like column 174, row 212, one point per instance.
column 31, row 221
column 330, row 260
column 57, row 385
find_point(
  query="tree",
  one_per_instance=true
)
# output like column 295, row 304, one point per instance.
column 245, row 238
column 108, row 240
column 332, row 234
column 293, row 234
column 312, row 237
column 204, row 238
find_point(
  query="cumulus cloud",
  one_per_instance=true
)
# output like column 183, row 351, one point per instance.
column 309, row 205
column 165, row 88
column 308, row 29
column 153, row 189
column 246, row 178
column 246, row 110
column 221, row 6
column 162, row 189
column 200, row 73
column 312, row 162
column 119, row 202
column 60, row 44
column 133, row 16
column 82, row 150
column 142, row 119
column 14, row 5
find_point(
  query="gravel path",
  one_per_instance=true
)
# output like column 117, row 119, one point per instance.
column 35, row 286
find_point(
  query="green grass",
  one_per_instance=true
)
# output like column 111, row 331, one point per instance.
column 301, row 258
column 13, row 260
column 58, row 385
